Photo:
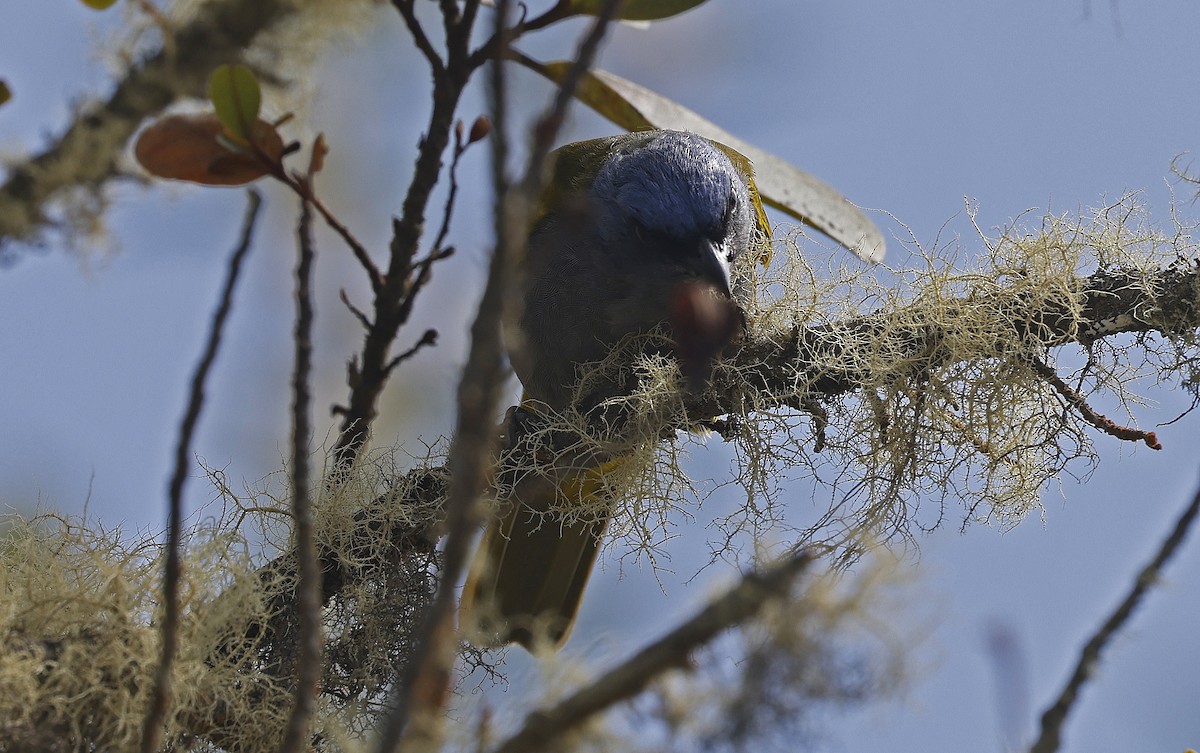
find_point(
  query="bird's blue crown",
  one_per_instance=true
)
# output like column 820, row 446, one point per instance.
column 678, row 184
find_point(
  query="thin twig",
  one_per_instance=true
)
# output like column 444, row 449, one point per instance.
column 545, row 726
column 1055, row 716
column 308, row 664
column 160, row 698
column 428, row 338
column 1089, row 414
column 418, row 276
column 359, row 251
column 498, row 44
column 358, row 314
column 420, row 38
column 421, row 266
column 302, row 187
column 452, row 193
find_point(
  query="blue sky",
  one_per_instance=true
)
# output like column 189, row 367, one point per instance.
column 906, row 108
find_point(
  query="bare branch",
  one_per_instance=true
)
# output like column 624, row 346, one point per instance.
column 415, row 721
column 452, row 194
column 354, row 310
column 491, row 49
column 308, row 667
column 302, row 186
column 160, row 703
column 1101, row 422
column 359, row 251
column 543, row 727
column 428, row 338
column 420, row 39
column 394, row 299
column 1055, row 716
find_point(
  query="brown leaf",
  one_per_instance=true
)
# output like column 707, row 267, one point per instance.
column 187, row 147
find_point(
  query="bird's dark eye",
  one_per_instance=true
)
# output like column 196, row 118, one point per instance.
column 730, row 205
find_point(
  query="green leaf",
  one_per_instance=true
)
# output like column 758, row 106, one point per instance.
column 635, row 10
column 236, row 99
column 99, row 4
column 781, row 184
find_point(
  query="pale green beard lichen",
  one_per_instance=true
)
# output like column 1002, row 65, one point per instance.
column 963, row 429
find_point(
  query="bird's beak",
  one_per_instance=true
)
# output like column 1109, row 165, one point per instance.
column 714, row 267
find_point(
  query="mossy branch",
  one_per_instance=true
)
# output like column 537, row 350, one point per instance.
column 378, row 561
column 1109, row 302
column 760, row 376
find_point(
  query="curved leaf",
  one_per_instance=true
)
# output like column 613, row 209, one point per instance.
column 236, row 99
column 781, row 184
column 99, row 4
column 635, row 10
column 190, row 147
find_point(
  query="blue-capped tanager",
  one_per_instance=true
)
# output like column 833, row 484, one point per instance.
column 634, row 232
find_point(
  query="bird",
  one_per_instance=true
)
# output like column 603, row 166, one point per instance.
column 633, row 233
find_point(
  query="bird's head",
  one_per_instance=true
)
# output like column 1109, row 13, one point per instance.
column 672, row 204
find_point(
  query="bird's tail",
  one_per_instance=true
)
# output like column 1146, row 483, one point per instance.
column 527, row 580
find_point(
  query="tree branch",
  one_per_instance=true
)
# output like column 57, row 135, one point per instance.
column 1089, row 414
column 543, row 727
column 394, row 300
column 87, row 152
column 415, row 720
column 760, row 376
column 308, row 666
column 1055, row 716
column 420, row 38
column 1113, row 303
column 152, row 728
